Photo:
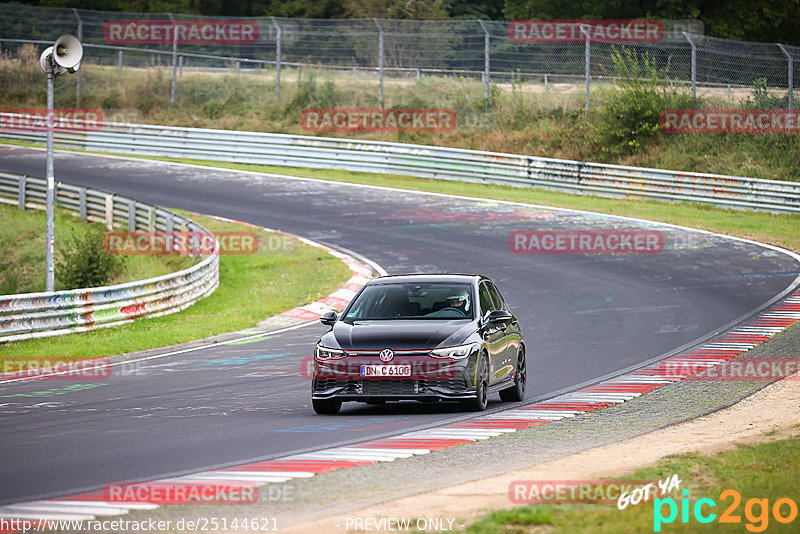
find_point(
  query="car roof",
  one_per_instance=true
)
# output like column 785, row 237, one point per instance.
column 426, row 278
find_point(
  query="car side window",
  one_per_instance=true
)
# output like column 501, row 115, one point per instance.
column 486, row 299
column 500, row 303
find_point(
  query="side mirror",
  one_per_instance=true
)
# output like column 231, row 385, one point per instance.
column 498, row 316
column 328, row 318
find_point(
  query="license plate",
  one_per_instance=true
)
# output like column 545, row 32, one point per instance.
column 381, row 371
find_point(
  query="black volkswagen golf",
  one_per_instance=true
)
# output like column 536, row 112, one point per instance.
column 422, row 337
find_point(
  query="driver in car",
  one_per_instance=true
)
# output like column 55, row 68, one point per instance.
column 459, row 302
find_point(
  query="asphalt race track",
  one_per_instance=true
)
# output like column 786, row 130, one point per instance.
column 585, row 317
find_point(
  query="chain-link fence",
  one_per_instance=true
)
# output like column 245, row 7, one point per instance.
column 486, row 51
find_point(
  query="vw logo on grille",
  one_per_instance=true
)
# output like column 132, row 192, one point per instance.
column 386, row 355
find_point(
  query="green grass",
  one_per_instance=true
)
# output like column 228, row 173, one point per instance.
column 252, row 288
column 764, row 471
column 22, row 242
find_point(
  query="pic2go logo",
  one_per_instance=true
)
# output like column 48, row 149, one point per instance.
column 756, row 511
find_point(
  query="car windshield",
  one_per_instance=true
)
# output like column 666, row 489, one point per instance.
column 412, row 301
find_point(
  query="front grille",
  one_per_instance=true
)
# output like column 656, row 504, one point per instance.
column 389, row 387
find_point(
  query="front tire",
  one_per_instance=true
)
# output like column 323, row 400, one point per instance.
column 326, row 406
column 516, row 393
column 481, row 399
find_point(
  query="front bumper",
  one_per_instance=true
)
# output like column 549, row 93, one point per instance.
column 430, row 380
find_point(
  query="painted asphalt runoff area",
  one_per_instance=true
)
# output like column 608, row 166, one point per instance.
column 585, row 317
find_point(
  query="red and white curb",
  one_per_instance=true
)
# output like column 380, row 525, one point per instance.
column 589, row 399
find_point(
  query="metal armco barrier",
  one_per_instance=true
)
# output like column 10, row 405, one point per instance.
column 577, row 177
column 34, row 315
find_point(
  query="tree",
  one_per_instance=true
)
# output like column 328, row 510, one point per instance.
column 764, row 20
column 396, row 9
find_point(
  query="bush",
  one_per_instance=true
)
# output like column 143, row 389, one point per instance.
column 10, row 280
column 310, row 94
column 763, row 99
column 85, row 262
column 630, row 113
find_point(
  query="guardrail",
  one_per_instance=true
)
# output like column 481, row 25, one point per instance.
column 425, row 161
column 33, row 315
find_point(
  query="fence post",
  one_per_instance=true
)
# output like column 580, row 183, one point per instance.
column 78, row 79
column 21, row 197
column 545, row 83
column 82, row 203
column 588, row 63
column 110, row 212
column 299, row 73
column 694, row 69
column 380, row 60
column 174, row 59
column 278, row 43
column 131, row 215
column 486, row 42
column 180, row 66
column 119, row 61
column 790, row 75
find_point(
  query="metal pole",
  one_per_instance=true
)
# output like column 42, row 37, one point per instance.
column 174, row 59
column 278, row 42
column 588, row 62
column 380, row 60
column 51, row 185
column 80, row 38
column 119, row 61
column 486, row 58
column 694, row 69
column 790, row 75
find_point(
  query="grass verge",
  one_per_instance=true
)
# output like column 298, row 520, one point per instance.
column 765, row 473
column 252, row 288
column 22, row 242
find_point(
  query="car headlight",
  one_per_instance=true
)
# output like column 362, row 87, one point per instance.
column 323, row 353
column 456, row 353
